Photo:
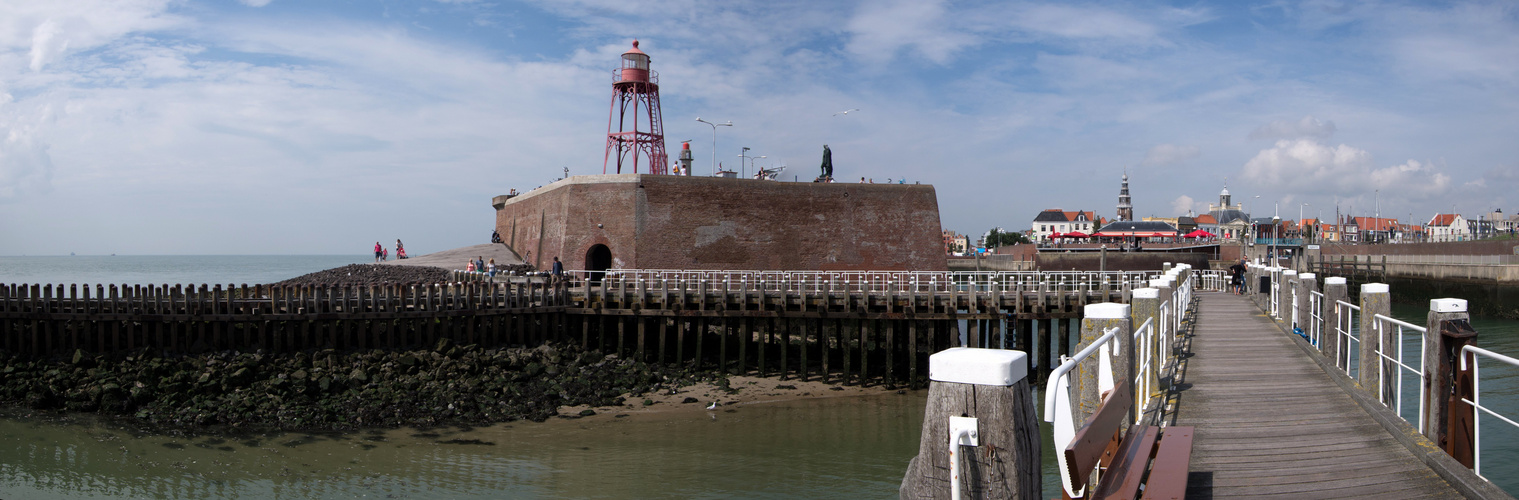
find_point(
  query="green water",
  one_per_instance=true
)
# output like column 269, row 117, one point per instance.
column 854, row 447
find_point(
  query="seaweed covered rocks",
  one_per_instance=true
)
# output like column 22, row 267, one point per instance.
column 450, row 384
column 371, row 274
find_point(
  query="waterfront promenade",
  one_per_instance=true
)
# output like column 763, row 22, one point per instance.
column 1271, row 423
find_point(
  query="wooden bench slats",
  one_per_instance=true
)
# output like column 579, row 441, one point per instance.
column 1168, row 475
column 1087, row 446
column 1127, row 471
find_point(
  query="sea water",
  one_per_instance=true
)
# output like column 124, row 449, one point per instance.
column 167, row 269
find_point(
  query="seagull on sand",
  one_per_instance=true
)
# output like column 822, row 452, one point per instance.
column 845, row 112
column 712, row 406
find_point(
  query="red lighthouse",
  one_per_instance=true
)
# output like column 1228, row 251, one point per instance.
column 635, row 105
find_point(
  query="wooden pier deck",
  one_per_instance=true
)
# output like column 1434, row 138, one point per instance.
column 1271, row 424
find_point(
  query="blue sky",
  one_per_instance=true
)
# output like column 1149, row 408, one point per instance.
column 274, row 126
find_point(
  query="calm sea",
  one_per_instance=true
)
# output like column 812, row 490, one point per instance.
column 167, row 269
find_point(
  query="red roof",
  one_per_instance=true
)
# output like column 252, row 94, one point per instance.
column 1376, row 224
column 1443, row 220
column 1205, row 219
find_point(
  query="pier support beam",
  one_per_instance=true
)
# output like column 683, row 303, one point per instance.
column 1448, row 421
column 998, row 457
column 1145, row 306
column 1099, row 318
column 1331, row 345
column 1375, row 299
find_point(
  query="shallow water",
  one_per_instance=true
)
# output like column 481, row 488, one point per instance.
column 170, row 269
column 819, row 448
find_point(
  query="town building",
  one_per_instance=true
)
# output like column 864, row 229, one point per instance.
column 1230, row 221
column 1054, row 220
column 1447, row 227
column 1125, row 207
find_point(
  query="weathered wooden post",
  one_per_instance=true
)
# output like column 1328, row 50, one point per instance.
column 1330, row 343
column 1307, row 284
column 1284, row 302
column 1097, row 319
column 1145, row 306
column 1375, row 299
column 1448, row 421
column 979, row 398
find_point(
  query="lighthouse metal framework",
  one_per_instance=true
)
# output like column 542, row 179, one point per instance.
column 635, row 106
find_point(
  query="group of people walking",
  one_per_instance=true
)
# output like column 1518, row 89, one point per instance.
column 382, row 254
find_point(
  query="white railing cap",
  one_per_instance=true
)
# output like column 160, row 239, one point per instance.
column 1289, row 272
column 1375, row 288
column 1334, row 280
column 1106, row 310
column 1447, row 305
column 1308, row 276
column 1147, row 293
column 972, row 365
column 1157, row 283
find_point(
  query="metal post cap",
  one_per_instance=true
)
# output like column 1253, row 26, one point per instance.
column 1308, row 276
column 1375, row 288
column 1106, row 310
column 1334, row 280
column 973, row 365
column 1447, row 305
column 1147, row 293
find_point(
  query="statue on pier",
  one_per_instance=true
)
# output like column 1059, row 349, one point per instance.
column 827, row 175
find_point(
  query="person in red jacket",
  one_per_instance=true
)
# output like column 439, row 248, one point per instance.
column 377, row 250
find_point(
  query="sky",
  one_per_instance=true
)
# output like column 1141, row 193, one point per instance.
column 285, row 127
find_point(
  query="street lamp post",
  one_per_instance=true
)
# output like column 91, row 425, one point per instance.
column 728, row 123
column 741, row 157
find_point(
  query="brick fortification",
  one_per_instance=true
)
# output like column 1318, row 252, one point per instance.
column 677, row 222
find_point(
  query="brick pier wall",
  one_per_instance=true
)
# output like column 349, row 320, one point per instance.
column 676, row 222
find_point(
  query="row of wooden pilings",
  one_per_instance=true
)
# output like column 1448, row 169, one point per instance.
column 844, row 327
column 1323, row 318
column 980, row 436
column 836, row 327
column 42, row 320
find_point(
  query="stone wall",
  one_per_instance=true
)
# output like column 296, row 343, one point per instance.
column 677, row 222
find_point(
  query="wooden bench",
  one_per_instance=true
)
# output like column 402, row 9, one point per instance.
column 1147, row 459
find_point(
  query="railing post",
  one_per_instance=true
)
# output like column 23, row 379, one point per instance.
column 1097, row 318
column 1330, row 343
column 1145, row 306
column 1375, row 299
column 1307, row 283
column 1448, row 421
column 1284, row 304
column 991, row 386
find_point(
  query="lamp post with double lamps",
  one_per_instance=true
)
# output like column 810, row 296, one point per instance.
column 728, row 123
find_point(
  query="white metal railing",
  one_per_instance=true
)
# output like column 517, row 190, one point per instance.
column 903, row 282
column 1212, row 280
column 1476, row 400
column 1057, row 398
column 1381, row 325
column 1315, row 330
column 1276, row 290
column 1345, row 327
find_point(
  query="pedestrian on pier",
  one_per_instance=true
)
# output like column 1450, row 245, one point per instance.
column 558, row 269
column 377, row 251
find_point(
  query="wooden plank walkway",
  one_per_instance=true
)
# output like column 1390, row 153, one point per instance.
column 1271, row 424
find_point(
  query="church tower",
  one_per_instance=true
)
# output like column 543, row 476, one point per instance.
column 1125, row 209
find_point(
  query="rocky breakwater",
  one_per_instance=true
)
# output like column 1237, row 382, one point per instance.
column 327, row 390
column 371, row 274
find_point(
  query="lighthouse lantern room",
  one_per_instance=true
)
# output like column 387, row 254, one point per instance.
column 634, row 127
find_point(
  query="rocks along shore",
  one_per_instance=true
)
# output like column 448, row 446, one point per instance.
column 327, row 390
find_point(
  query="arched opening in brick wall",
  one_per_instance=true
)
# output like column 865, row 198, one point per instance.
column 597, row 260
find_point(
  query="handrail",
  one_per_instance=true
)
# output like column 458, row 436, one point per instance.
column 1057, row 399
column 1379, row 322
column 1346, row 331
column 1477, row 398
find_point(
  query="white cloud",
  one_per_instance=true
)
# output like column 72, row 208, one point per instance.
column 1308, row 127
column 255, row 3
column 1170, row 154
column 1306, row 166
column 1182, row 204
column 25, row 165
column 879, row 30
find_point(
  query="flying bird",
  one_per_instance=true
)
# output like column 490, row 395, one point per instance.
column 845, row 112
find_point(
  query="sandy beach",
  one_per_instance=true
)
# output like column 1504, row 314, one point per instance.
column 743, row 390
